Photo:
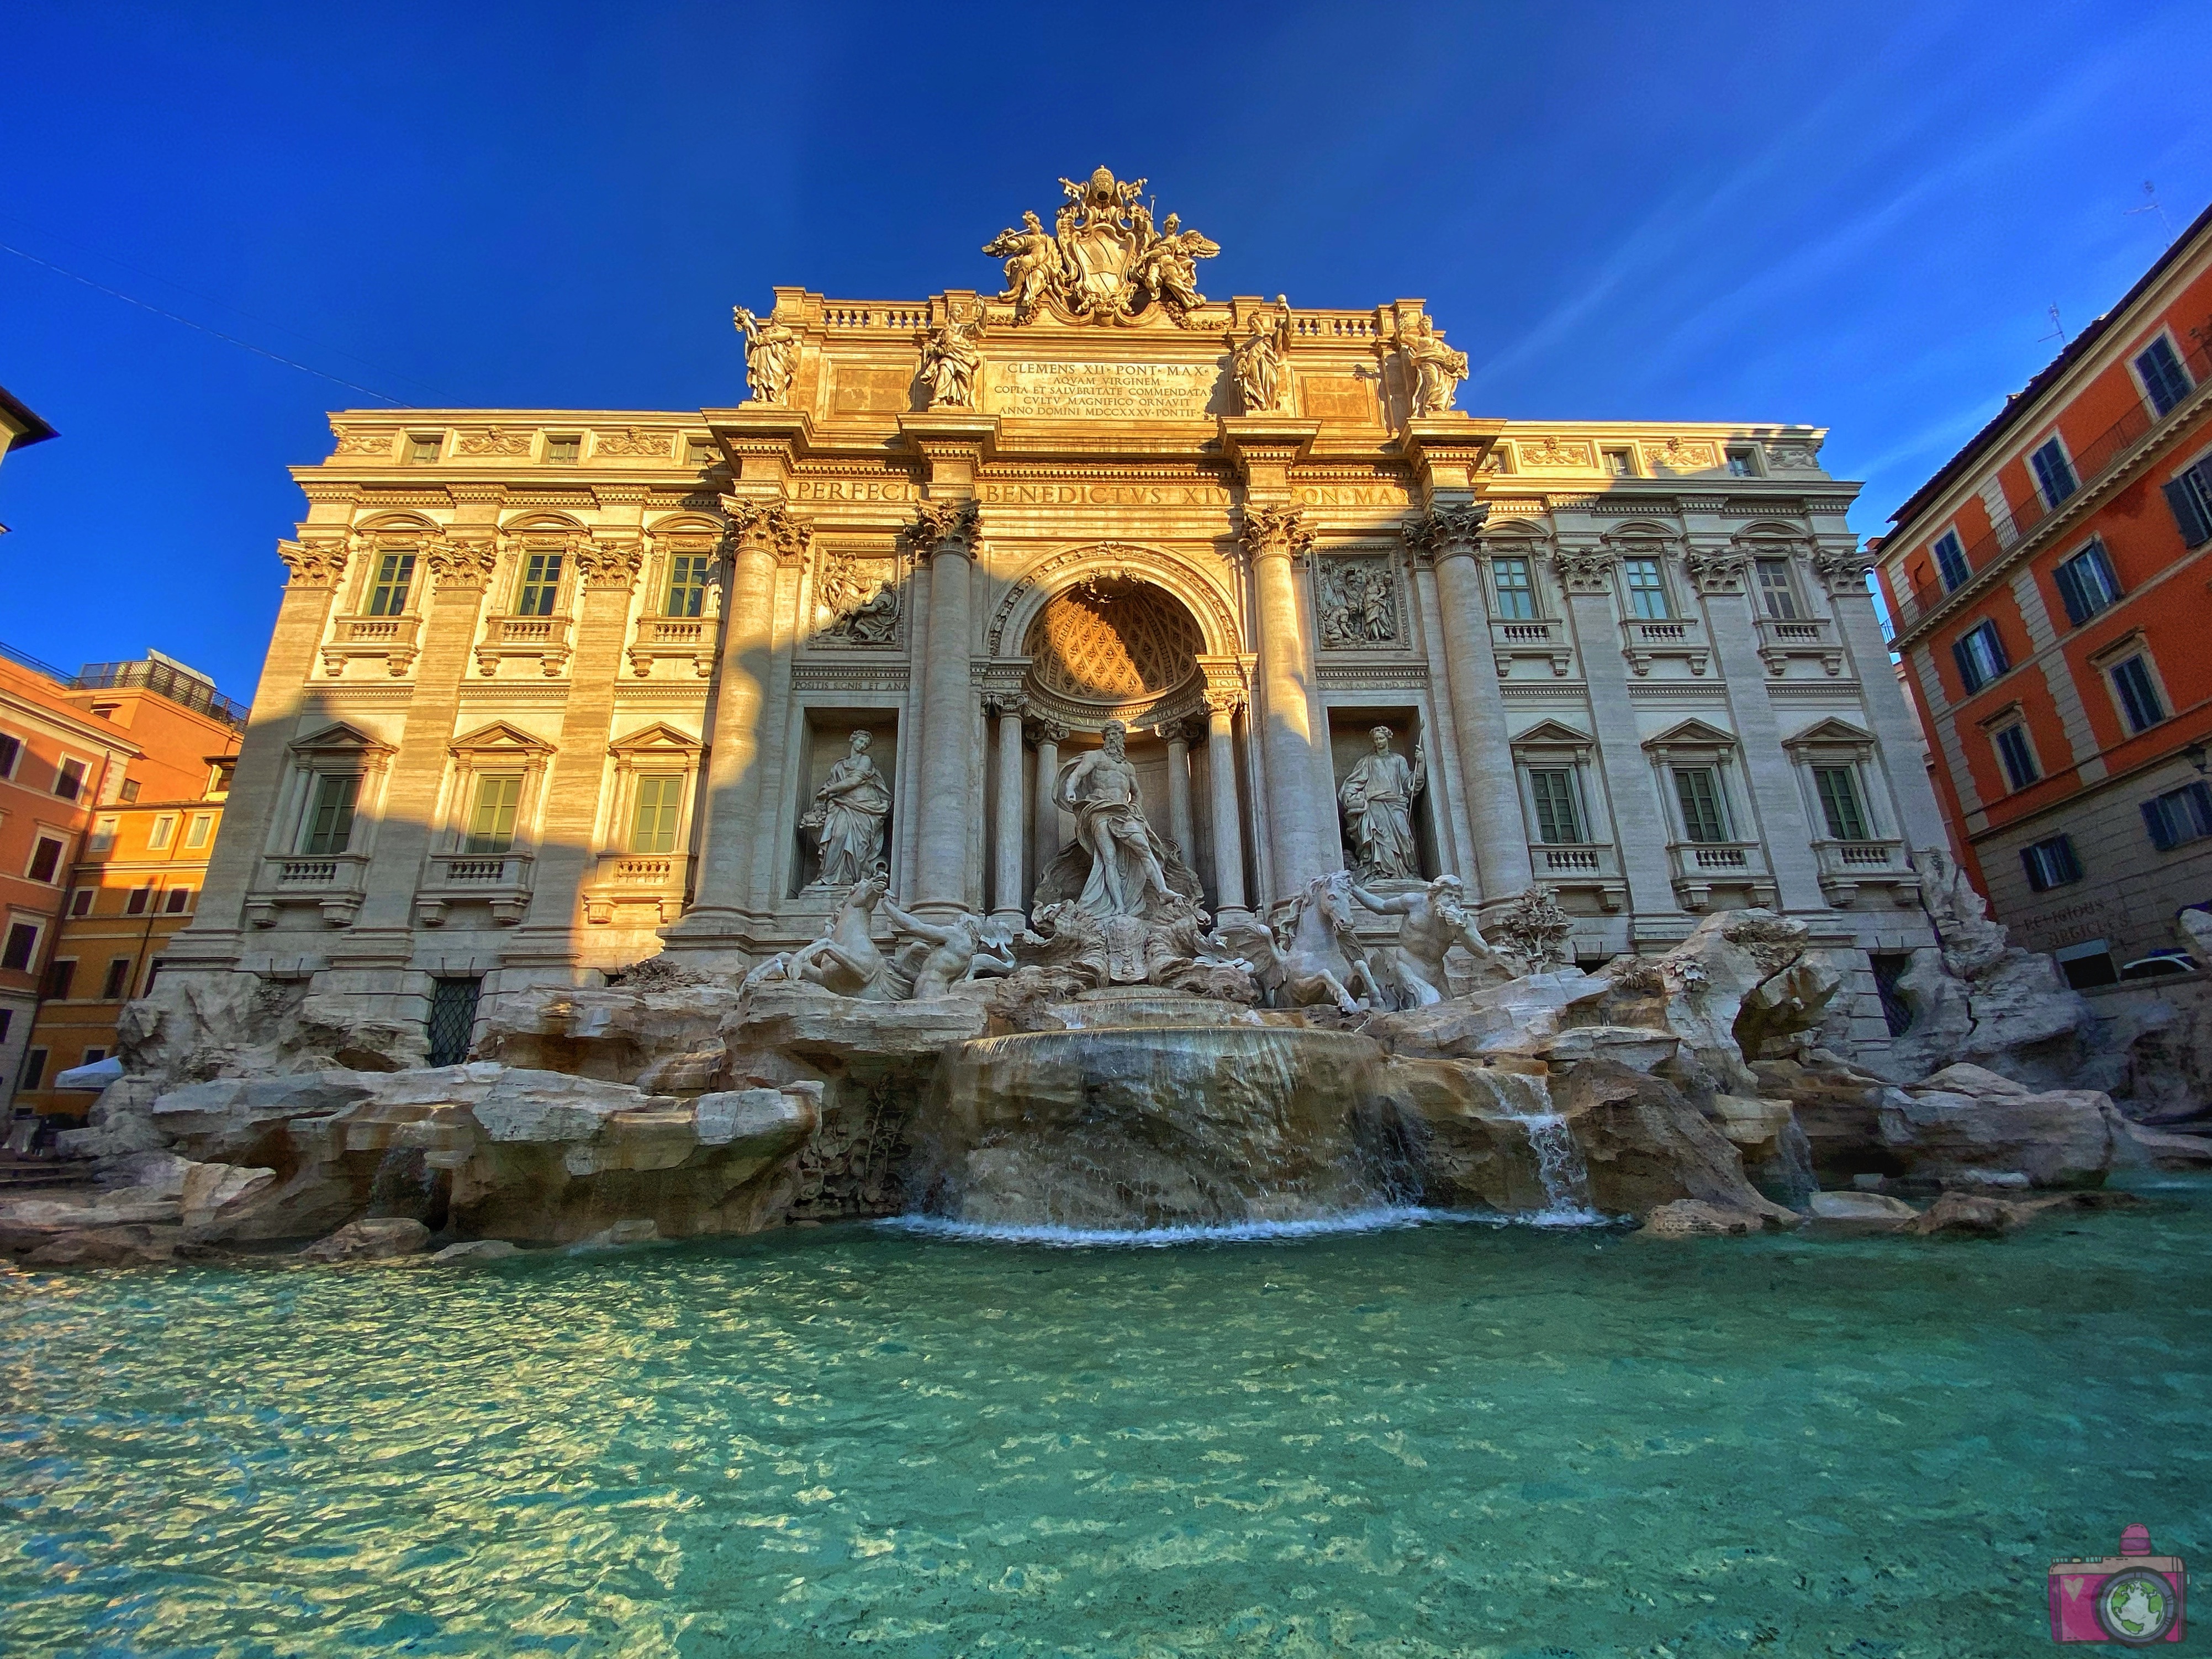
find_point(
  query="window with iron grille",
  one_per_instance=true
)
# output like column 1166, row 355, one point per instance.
column 1950, row 560
column 1775, row 591
column 330, row 814
column 2054, row 472
column 1558, row 813
column 2138, row 693
column 1697, row 790
column 1889, row 970
column 1838, row 789
column 1516, row 591
column 1742, row 463
column 2163, row 376
column 687, row 585
column 2016, row 755
column 1980, row 655
column 395, row 572
column 1647, row 593
column 452, row 1019
column 541, row 585
column 2189, row 498
column 2087, row 584
column 2179, row 815
column 491, row 825
column 653, row 828
column 1621, row 463
column 2050, row 863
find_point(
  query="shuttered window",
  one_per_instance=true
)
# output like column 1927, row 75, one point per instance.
column 653, row 830
column 2179, row 815
column 2054, row 473
column 1950, row 560
column 1980, row 656
column 1559, row 813
column 1838, row 787
column 329, row 815
column 1698, row 792
column 2050, row 863
column 2189, row 498
column 2016, row 757
column 2087, row 584
column 2138, row 693
column 491, row 825
column 2163, row 376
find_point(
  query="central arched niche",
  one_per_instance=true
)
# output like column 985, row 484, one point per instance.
column 1113, row 643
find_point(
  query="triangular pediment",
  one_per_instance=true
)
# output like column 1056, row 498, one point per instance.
column 658, row 738
column 1692, row 734
column 1831, row 731
column 501, row 738
column 341, row 737
column 1553, row 734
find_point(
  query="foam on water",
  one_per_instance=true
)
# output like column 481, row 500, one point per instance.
column 1378, row 1219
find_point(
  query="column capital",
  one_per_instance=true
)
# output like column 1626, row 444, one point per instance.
column 1585, row 569
column 1044, row 729
column 1842, row 568
column 1007, row 705
column 761, row 525
column 457, row 561
column 313, row 564
column 1269, row 532
column 1717, row 568
column 1446, row 530
column 1174, row 731
column 609, row 564
column 946, row 527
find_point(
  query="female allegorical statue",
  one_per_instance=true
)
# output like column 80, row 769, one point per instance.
column 847, row 819
column 1378, row 808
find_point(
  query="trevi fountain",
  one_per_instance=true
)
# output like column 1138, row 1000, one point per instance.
column 1133, row 996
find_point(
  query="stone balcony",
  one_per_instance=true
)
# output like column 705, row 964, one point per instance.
column 543, row 639
column 499, row 879
column 637, row 879
column 334, row 882
column 1590, row 866
column 688, row 639
column 393, row 642
column 1645, row 640
column 1813, row 637
column 1847, row 866
column 1544, row 638
column 1701, row 865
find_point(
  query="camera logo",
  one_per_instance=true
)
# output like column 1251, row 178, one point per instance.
column 2134, row 1597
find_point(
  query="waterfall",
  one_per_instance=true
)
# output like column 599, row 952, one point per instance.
column 1559, row 1166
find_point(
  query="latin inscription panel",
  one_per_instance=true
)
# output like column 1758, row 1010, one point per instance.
column 1101, row 391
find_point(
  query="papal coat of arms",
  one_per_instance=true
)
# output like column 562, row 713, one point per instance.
column 1103, row 261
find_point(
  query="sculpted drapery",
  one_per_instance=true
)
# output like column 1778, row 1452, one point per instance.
column 1377, row 798
column 849, row 815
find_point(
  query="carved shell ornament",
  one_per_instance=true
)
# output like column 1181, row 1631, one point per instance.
column 1104, row 260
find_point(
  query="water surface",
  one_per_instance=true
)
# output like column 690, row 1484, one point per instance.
column 1441, row 1439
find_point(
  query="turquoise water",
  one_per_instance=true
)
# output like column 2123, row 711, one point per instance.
column 1445, row 1439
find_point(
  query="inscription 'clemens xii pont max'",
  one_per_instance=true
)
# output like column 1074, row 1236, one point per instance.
column 1093, row 390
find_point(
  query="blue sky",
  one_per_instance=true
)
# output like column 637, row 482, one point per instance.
column 1855, row 215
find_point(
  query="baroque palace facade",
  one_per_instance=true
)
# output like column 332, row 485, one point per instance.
column 550, row 691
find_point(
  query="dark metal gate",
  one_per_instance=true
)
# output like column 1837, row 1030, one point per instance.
column 452, row 1019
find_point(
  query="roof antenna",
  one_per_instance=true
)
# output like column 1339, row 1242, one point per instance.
column 2151, row 204
column 2058, row 329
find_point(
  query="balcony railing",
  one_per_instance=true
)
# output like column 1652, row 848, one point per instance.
column 333, row 882
column 2094, row 462
column 1846, row 865
column 684, row 638
column 544, row 638
column 391, row 640
column 501, row 879
column 1811, row 637
column 1593, row 865
column 1645, row 638
column 658, row 879
column 1701, row 865
column 1544, row 637
column 165, row 679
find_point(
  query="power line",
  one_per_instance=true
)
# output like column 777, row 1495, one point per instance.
column 259, row 351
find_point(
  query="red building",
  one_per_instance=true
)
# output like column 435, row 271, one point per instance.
column 2048, row 586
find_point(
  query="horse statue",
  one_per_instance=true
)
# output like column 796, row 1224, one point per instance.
column 1314, row 956
column 845, row 958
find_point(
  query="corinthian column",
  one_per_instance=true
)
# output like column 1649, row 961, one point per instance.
column 1051, row 833
column 762, row 536
column 944, row 534
column 1007, row 906
column 1181, row 825
column 1273, row 537
column 1450, row 538
column 1221, row 786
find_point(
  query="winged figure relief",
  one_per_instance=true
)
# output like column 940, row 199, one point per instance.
column 1033, row 264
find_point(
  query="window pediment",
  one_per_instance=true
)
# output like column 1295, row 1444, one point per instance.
column 341, row 741
column 500, row 739
column 1691, row 735
column 1554, row 737
column 1830, row 734
column 658, row 739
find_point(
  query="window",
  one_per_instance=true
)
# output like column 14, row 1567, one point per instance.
column 68, row 780
column 81, row 900
column 1742, row 462
column 701, row 452
column 153, row 972
column 563, row 451
column 2179, row 815
column 34, row 1068
column 106, row 710
column 219, row 778
column 388, row 596
column 1838, row 789
column 7, row 1018
column 139, row 899
column 2163, row 376
column 92, row 1056
column 1622, row 463
column 163, row 832
column 1558, row 813
column 1775, row 591
column 1698, row 790
column 1980, row 655
column 2137, row 692
column 687, row 584
column 1516, row 591
column 653, row 830
column 177, row 901
column 491, row 825
column 61, row 974
column 2014, row 755
column 203, row 826
column 1890, row 969
column 330, row 814
column 11, row 749
column 453, row 1020
column 541, row 585
column 2189, row 498
column 425, row 447
column 1647, row 595
column 2054, row 473
column 46, row 859
column 22, row 942
column 2050, row 863
column 1950, row 560
column 127, row 790
column 118, row 980
column 103, row 834
column 2088, row 965
column 2085, row 583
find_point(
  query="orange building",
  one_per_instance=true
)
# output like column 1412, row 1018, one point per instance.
column 2048, row 586
column 82, row 756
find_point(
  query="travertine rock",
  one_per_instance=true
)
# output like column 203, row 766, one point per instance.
column 1965, row 1118
column 1856, row 1212
column 208, row 1189
column 1692, row 1218
column 1646, row 1145
column 371, row 1240
column 106, row 1246
column 476, row 1250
